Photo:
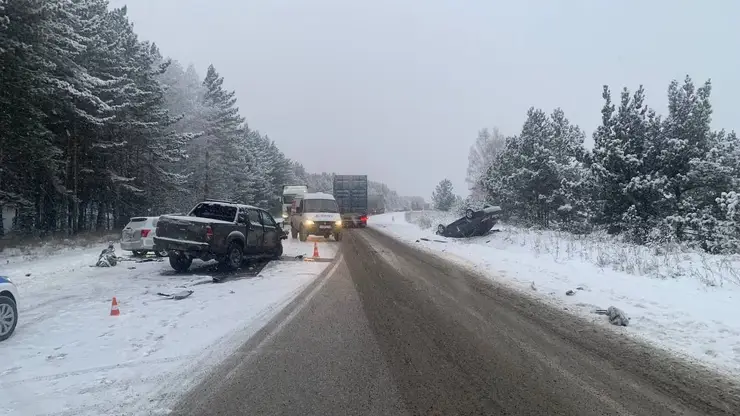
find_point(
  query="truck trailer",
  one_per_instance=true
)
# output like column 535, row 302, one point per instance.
column 350, row 192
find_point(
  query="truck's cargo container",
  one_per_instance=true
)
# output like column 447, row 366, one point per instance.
column 350, row 192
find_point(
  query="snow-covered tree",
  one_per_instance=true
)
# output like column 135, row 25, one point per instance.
column 443, row 196
column 482, row 155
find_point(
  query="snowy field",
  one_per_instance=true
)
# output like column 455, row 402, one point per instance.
column 68, row 356
column 685, row 302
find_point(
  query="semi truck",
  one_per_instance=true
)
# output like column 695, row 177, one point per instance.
column 350, row 192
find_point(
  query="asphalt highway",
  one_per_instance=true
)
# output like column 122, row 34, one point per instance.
column 391, row 330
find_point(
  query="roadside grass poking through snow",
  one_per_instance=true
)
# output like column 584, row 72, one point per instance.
column 664, row 261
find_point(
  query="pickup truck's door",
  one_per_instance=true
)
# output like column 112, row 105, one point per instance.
column 272, row 231
column 256, row 233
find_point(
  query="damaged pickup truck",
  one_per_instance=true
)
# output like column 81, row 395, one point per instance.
column 228, row 232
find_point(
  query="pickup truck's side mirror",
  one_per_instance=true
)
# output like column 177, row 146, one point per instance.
column 242, row 219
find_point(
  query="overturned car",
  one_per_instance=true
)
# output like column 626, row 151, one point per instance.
column 474, row 223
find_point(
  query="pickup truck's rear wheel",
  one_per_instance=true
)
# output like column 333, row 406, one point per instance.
column 180, row 262
column 303, row 234
column 234, row 256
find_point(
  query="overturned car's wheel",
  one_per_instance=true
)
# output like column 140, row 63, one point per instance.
column 469, row 213
column 303, row 234
column 139, row 253
column 234, row 256
column 338, row 236
column 440, row 229
column 180, row 262
column 293, row 232
column 161, row 253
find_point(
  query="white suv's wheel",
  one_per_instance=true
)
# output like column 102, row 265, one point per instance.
column 8, row 317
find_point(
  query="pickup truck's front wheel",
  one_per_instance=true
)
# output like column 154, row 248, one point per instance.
column 234, row 256
column 180, row 262
column 278, row 251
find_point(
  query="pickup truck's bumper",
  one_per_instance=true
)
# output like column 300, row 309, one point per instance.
column 173, row 244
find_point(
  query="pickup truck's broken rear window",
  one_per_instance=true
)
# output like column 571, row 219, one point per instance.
column 214, row 212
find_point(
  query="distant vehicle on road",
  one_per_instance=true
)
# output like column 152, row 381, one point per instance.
column 316, row 214
column 376, row 204
column 138, row 236
column 350, row 192
column 290, row 193
column 474, row 223
column 8, row 308
column 221, row 230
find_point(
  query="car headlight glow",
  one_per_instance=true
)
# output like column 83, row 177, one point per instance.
column 308, row 222
column 285, row 215
column 338, row 223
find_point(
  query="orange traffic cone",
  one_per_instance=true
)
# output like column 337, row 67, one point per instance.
column 114, row 308
column 315, row 249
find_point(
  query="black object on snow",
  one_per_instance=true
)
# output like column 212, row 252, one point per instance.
column 570, row 293
column 472, row 224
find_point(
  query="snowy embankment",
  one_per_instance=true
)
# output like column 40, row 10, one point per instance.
column 684, row 301
column 68, row 356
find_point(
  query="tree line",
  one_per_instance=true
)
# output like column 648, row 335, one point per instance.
column 96, row 125
column 648, row 177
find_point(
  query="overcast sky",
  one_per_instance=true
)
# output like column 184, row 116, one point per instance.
column 398, row 89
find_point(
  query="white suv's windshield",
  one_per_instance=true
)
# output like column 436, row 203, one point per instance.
column 320, row 205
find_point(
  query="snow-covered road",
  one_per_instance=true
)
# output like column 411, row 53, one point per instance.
column 683, row 311
column 68, row 356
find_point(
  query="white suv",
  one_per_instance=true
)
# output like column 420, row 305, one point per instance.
column 8, row 308
column 138, row 236
column 317, row 214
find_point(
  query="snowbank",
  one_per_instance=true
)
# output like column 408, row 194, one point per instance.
column 686, row 302
column 70, row 357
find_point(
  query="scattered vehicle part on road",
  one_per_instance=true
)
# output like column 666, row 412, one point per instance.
column 350, row 192
column 107, row 257
column 616, row 316
column 176, row 296
column 472, row 224
column 138, row 236
column 316, row 214
column 226, row 231
column 8, row 308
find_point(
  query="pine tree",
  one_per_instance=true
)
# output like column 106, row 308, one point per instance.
column 224, row 146
column 443, row 196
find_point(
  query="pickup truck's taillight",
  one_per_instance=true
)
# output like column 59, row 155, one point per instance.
column 144, row 233
column 209, row 233
column 363, row 218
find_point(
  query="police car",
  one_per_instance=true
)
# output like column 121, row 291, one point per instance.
column 8, row 308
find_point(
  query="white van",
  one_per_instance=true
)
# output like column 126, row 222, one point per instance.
column 316, row 214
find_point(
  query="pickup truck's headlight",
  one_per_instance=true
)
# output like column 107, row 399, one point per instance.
column 338, row 223
column 308, row 222
column 285, row 215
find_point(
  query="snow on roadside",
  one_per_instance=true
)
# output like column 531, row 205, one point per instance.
column 684, row 302
column 68, row 356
